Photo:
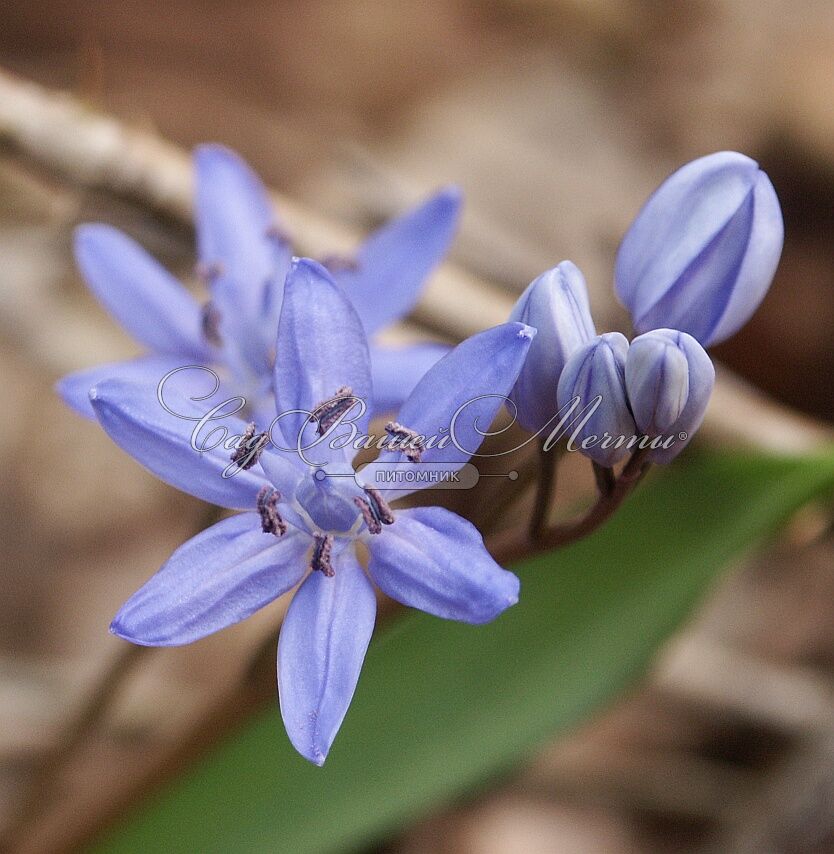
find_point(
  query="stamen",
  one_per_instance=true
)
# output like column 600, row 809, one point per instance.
column 271, row 521
column 406, row 440
column 322, row 551
column 341, row 264
column 250, row 447
column 210, row 322
column 375, row 510
column 332, row 409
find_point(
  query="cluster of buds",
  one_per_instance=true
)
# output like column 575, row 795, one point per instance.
column 692, row 269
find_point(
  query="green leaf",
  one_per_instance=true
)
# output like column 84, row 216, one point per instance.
column 442, row 707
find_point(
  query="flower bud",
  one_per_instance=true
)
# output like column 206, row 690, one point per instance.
column 669, row 379
column 556, row 304
column 703, row 251
column 601, row 425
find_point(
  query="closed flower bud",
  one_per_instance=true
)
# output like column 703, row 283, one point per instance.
column 601, row 422
column 703, row 251
column 669, row 379
column 556, row 304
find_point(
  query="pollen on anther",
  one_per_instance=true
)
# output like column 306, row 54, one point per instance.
column 375, row 510
column 267, row 504
column 250, row 447
column 322, row 552
column 328, row 412
column 406, row 440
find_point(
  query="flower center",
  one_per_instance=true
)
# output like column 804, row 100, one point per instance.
column 326, row 496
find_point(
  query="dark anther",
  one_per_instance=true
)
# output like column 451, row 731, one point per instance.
column 341, row 264
column 375, row 510
column 322, row 550
column 271, row 521
column 210, row 322
column 250, row 447
column 405, row 440
column 331, row 410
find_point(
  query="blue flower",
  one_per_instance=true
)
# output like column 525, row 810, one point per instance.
column 244, row 256
column 669, row 379
column 593, row 381
column 703, row 251
column 556, row 305
column 301, row 522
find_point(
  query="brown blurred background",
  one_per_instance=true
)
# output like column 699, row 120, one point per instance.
column 557, row 117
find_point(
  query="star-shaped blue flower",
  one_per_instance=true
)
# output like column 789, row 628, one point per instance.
column 244, row 256
column 302, row 522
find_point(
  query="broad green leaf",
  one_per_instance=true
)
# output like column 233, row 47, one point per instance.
column 443, row 707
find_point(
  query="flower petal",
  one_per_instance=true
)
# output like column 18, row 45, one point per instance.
column 434, row 560
column 240, row 245
column 139, row 292
column 161, row 439
column 74, row 388
column 556, row 305
column 395, row 261
column 669, row 380
column 397, row 370
column 462, row 393
column 592, row 393
column 215, row 580
column 321, row 349
column 703, row 250
column 320, row 653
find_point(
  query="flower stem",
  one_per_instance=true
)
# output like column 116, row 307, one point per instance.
column 546, row 486
column 613, row 491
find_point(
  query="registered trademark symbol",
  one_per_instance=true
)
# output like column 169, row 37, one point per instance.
column 682, row 436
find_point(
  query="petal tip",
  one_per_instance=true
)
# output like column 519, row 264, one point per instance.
column 310, row 266
column 525, row 332
column 451, row 195
column 207, row 151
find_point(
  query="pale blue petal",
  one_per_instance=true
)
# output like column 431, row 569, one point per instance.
column 703, row 251
column 460, row 396
column 601, row 423
column 397, row 370
column 320, row 652
column 240, row 247
column 758, row 267
column 139, row 292
column 393, row 264
column 215, row 580
column 321, row 349
column 669, row 379
column 133, row 417
column 434, row 560
column 74, row 388
column 556, row 305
